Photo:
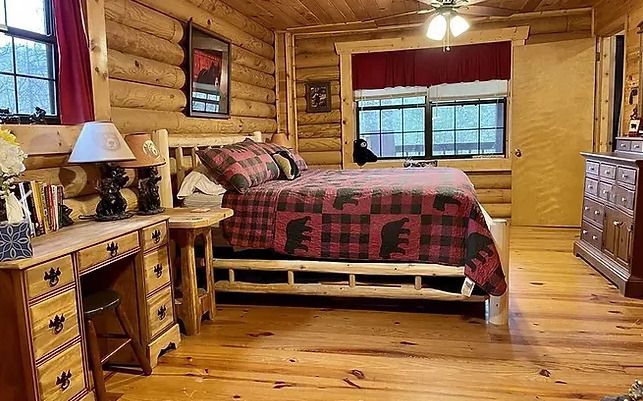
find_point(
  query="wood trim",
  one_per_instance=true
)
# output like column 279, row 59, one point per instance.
column 291, row 97
column 46, row 139
column 97, row 35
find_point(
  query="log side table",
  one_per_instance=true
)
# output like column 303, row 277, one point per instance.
column 186, row 226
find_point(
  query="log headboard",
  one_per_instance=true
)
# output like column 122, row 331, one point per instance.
column 180, row 153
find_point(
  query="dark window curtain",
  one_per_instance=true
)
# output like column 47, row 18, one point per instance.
column 74, row 76
column 427, row 67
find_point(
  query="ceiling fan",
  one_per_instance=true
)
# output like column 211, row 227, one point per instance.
column 445, row 19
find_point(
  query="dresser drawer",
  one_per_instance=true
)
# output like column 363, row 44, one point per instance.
column 154, row 236
column 624, row 197
column 54, row 322
column 49, row 276
column 160, row 311
column 591, row 167
column 157, row 270
column 605, row 191
column 592, row 235
column 591, row 186
column 626, row 175
column 608, row 171
column 593, row 211
column 636, row 146
column 63, row 377
column 107, row 250
column 623, row 145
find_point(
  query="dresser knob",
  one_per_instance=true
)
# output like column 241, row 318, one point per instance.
column 618, row 223
column 158, row 270
column 584, row 232
column 64, row 380
column 112, row 249
column 597, row 212
column 594, row 237
column 57, row 323
column 586, row 208
column 52, row 277
column 624, row 200
column 162, row 312
column 156, row 236
column 607, row 172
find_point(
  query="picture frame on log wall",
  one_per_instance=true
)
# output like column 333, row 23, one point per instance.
column 209, row 74
column 318, row 97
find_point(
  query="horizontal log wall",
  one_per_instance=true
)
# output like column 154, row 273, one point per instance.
column 147, row 64
column 319, row 134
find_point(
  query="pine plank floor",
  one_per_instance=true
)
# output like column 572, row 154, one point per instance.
column 571, row 336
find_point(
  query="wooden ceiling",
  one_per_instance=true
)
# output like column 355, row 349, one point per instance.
column 284, row 14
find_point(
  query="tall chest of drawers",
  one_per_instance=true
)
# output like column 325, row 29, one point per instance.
column 42, row 336
column 611, row 238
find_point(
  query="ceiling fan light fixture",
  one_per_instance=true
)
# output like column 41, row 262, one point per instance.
column 437, row 27
column 459, row 25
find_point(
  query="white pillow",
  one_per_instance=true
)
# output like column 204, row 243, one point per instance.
column 199, row 181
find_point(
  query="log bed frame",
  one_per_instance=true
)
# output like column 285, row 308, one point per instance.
column 180, row 152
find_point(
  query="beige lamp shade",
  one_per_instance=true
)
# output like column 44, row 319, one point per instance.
column 281, row 139
column 145, row 150
column 100, row 141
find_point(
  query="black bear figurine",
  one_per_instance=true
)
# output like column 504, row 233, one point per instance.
column 362, row 154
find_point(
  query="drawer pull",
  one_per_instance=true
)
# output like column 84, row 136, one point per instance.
column 605, row 191
column 162, row 312
column 625, row 176
column 618, row 223
column 597, row 212
column 112, row 249
column 624, row 200
column 607, row 172
column 158, row 270
column 594, row 237
column 586, row 208
column 584, row 232
column 64, row 380
column 156, row 236
column 57, row 323
column 52, row 277
column 590, row 187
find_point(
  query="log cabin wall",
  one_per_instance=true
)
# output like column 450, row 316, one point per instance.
column 612, row 17
column 320, row 134
column 146, row 58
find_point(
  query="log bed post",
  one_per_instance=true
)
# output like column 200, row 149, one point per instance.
column 498, row 307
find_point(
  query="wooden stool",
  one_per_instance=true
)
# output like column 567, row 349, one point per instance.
column 97, row 304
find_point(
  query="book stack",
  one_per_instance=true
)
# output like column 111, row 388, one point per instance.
column 41, row 203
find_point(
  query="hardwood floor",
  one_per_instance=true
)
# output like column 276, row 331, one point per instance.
column 571, row 336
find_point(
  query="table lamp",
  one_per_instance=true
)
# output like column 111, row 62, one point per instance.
column 280, row 138
column 148, row 157
column 100, row 142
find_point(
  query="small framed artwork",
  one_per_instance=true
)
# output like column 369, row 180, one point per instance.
column 209, row 74
column 635, row 125
column 318, row 97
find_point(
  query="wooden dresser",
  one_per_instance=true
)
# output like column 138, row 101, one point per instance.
column 612, row 228
column 41, row 326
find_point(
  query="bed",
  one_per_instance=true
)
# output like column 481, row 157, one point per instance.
column 300, row 222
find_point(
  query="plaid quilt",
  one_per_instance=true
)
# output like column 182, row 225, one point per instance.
column 428, row 215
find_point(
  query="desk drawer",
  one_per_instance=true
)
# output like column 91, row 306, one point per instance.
column 608, row 171
column 592, row 235
column 636, row 146
column 593, row 211
column 160, row 311
column 157, row 270
column 54, row 322
column 591, row 167
column 624, row 197
column 63, row 377
column 107, row 250
column 623, row 145
column 627, row 175
column 154, row 236
column 49, row 276
column 606, row 191
column 591, row 186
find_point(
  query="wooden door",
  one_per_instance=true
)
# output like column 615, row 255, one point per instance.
column 611, row 232
column 624, row 246
column 552, row 122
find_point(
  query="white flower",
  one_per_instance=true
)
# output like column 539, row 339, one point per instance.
column 11, row 159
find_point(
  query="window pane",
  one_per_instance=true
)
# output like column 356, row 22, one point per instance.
column 466, row 116
column 414, row 119
column 391, row 102
column 415, row 100
column 6, row 53
column 492, row 141
column 7, row 93
column 27, row 14
column 392, row 120
column 492, row 115
column 33, row 92
column 414, row 144
column 467, row 142
column 33, row 58
column 369, row 121
column 443, row 117
column 443, row 143
column 373, row 143
column 390, row 142
column 369, row 103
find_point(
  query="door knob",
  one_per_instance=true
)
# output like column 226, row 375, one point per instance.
column 518, row 152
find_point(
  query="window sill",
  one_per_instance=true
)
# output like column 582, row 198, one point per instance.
column 491, row 164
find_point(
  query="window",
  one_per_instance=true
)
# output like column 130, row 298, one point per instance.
column 448, row 121
column 28, row 57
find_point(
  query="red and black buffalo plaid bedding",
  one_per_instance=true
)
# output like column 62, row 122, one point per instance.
column 428, row 215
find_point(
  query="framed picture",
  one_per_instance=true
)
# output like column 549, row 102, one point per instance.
column 635, row 125
column 318, row 97
column 209, row 74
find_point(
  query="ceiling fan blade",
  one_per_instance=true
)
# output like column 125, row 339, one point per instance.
column 465, row 3
column 485, row 11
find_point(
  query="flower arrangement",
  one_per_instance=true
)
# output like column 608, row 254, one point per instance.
column 11, row 166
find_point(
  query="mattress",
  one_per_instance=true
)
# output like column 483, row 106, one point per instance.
column 427, row 215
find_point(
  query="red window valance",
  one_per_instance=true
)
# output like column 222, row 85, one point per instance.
column 427, row 67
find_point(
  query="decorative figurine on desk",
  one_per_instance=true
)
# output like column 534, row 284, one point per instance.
column 100, row 142
column 361, row 153
column 635, row 393
column 148, row 158
column 38, row 117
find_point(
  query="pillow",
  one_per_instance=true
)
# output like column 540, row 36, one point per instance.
column 287, row 165
column 199, row 180
column 240, row 166
column 272, row 148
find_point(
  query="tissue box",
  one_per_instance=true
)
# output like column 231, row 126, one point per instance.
column 15, row 242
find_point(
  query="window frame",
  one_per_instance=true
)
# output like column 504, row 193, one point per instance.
column 428, row 125
column 49, row 39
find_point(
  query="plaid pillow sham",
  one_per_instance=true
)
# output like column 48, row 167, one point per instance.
column 271, row 148
column 240, row 166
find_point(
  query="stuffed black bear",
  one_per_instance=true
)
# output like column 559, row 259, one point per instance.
column 361, row 153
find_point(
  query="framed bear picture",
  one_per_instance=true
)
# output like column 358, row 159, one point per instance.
column 318, row 97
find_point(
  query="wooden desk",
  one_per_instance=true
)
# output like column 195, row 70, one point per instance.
column 186, row 226
column 41, row 328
